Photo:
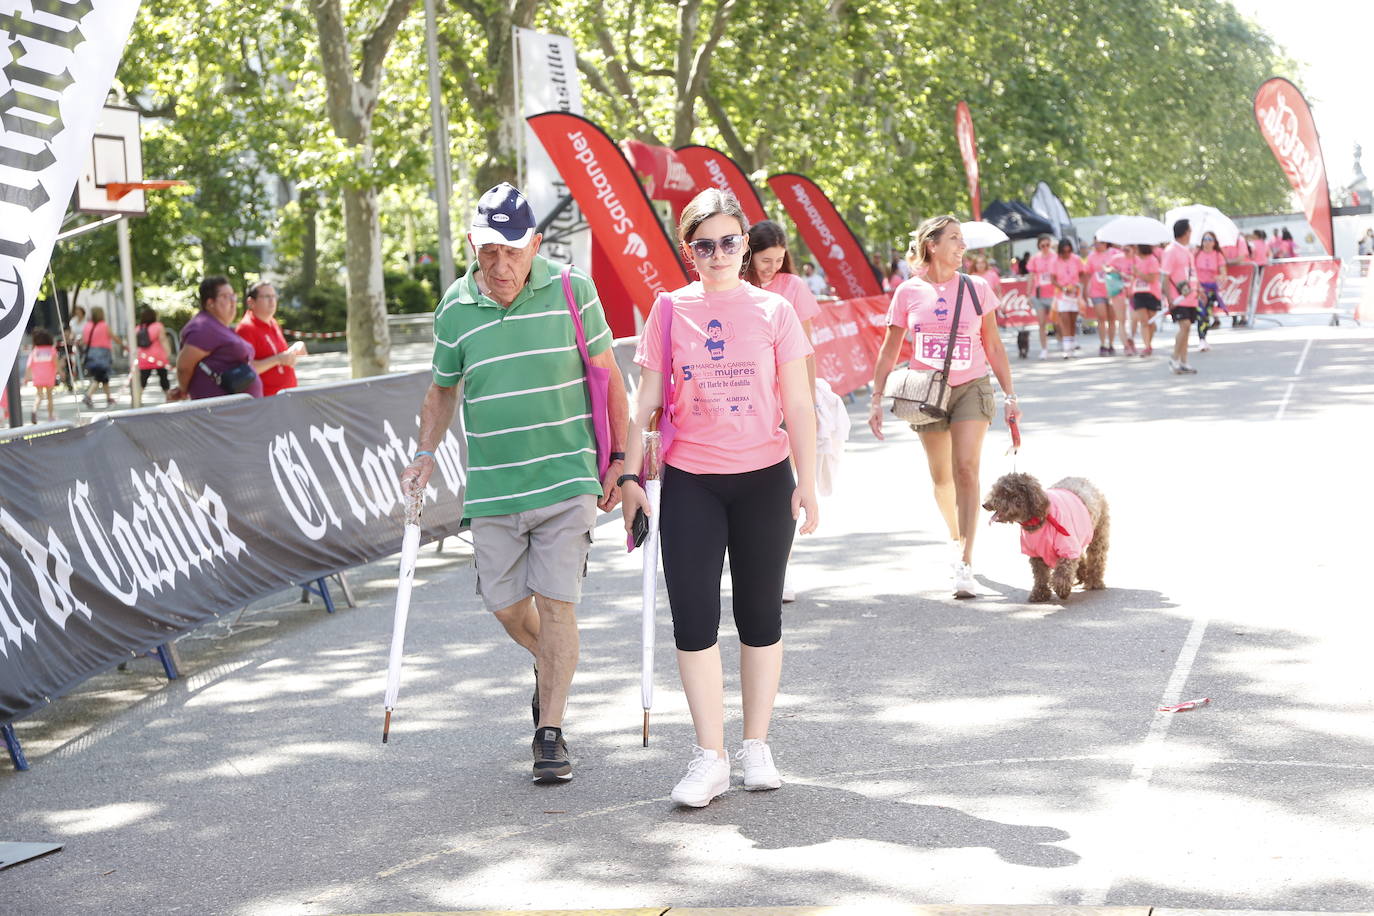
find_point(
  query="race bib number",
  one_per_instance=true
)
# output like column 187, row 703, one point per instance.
column 1142, row 286
column 1046, row 279
column 931, row 348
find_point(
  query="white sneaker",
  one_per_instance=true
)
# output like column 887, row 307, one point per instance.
column 1044, row 354
column 759, row 772
column 789, row 594
column 965, row 586
column 1175, row 366
column 1204, row 346
column 708, row 775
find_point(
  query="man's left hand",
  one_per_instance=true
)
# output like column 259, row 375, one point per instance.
column 610, row 493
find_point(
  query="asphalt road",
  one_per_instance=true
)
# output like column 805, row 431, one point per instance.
column 933, row 750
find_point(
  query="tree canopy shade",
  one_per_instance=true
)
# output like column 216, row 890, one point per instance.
column 1121, row 106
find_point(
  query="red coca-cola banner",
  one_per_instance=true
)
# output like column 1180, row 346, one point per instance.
column 621, row 218
column 1016, row 310
column 827, row 235
column 710, row 168
column 968, row 148
column 1286, row 122
column 1299, row 286
column 1235, row 287
column 848, row 335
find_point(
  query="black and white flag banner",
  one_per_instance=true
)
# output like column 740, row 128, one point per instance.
column 57, row 61
column 118, row 536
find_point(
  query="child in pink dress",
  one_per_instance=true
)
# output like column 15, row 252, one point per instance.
column 42, row 371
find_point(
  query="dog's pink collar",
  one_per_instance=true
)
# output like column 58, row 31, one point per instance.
column 1030, row 524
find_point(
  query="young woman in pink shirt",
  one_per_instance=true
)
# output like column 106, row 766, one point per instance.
column 982, row 267
column 925, row 308
column 1145, row 292
column 1068, row 272
column 1040, row 267
column 1098, row 260
column 1210, row 263
column 738, row 369
column 42, row 371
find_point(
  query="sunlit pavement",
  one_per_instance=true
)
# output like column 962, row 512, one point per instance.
column 934, row 751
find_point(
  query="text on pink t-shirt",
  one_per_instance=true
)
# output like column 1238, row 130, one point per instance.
column 1139, row 268
column 1209, row 264
column 1041, row 270
column 926, row 309
column 727, row 348
column 794, row 289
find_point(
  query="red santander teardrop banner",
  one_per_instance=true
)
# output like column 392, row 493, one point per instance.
column 621, row 218
column 968, row 148
column 1286, row 122
column 710, row 168
column 827, row 235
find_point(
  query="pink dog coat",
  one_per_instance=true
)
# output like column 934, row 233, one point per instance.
column 1067, row 532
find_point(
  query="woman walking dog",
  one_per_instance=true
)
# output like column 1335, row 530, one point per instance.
column 926, row 307
column 736, row 356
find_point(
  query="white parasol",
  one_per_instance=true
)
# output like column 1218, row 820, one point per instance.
column 653, row 488
column 1204, row 219
column 979, row 234
column 410, row 549
column 1134, row 230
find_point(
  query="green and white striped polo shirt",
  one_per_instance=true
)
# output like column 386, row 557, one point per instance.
column 526, row 411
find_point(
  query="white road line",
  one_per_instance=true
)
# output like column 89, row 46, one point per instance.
column 1302, row 359
column 1283, row 404
column 1129, row 806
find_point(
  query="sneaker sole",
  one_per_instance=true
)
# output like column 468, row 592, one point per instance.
column 552, row 776
column 696, row 802
column 965, row 593
column 763, row 786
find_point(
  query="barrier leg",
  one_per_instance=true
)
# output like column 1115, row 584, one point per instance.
column 342, row 579
column 12, row 745
column 167, row 655
column 320, row 587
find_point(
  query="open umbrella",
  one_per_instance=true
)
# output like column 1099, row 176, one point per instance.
column 653, row 487
column 1135, row 230
column 1204, row 219
column 410, row 549
column 978, row 234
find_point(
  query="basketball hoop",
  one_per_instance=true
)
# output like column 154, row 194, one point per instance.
column 117, row 189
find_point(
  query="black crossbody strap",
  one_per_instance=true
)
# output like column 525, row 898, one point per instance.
column 954, row 328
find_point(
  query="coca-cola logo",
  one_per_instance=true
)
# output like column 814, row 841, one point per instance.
column 1283, row 130
column 1312, row 288
column 1232, row 289
column 1016, row 302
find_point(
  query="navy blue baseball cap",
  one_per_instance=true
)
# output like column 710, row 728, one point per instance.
column 503, row 217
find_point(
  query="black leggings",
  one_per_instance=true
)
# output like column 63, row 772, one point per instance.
column 145, row 374
column 703, row 515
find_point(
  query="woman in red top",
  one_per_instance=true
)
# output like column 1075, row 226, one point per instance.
column 273, row 360
column 152, row 356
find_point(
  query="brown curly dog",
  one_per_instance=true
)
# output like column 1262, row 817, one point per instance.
column 1065, row 530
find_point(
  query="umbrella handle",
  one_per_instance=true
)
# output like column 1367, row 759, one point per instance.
column 646, row 728
column 386, row 726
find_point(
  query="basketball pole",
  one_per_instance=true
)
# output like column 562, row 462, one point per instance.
column 126, row 276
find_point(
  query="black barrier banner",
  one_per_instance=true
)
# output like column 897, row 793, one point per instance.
column 118, row 536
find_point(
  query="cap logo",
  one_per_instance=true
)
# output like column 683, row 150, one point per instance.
column 500, row 218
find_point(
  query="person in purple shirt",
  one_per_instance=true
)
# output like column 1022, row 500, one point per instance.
column 209, row 346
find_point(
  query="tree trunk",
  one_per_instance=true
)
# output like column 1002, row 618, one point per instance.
column 369, row 342
column 310, row 243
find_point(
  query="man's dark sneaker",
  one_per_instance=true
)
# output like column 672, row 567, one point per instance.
column 551, row 762
column 534, row 701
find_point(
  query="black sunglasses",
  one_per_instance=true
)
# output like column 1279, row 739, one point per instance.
column 705, row 248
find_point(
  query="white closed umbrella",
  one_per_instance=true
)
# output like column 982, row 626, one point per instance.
column 980, row 234
column 1204, row 219
column 1135, row 230
column 653, row 488
column 410, row 550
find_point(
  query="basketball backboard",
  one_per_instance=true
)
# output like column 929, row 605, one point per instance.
column 115, row 156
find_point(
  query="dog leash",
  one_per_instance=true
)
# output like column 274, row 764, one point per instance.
column 1015, row 447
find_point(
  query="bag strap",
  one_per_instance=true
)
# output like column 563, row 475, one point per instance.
column 665, row 304
column 576, row 316
column 953, row 329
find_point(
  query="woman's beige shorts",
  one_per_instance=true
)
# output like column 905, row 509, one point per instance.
column 970, row 401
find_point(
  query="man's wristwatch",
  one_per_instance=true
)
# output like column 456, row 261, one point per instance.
column 620, row 481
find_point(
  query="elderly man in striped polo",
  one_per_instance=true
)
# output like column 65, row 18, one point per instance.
column 505, row 331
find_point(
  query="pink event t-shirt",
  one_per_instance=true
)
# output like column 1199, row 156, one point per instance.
column 794, row 289
column 1067, row 271
column 926, row 309
column 1097, row 279
column 727, row 348
column 1138, row 268
column 1259, row 252
column 1041, row 269
column 43, row 366
column 1047, row 543
column 993, row 278
column 1178, row 265
column 1209, row 264
column 96, row 335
